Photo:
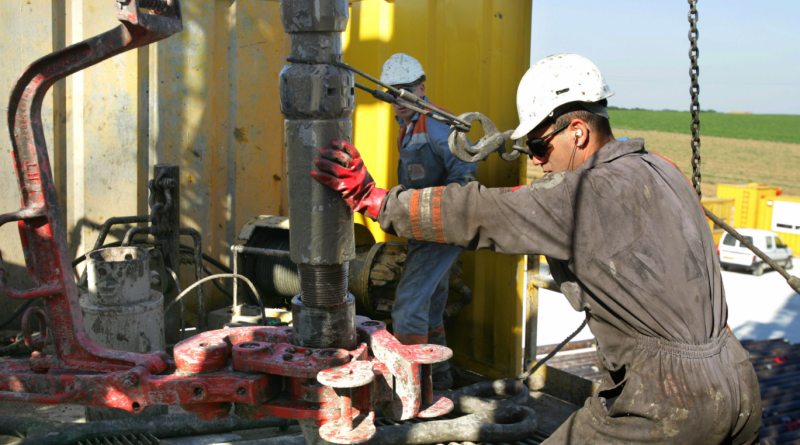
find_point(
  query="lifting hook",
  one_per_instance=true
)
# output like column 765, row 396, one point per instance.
column 492, row 141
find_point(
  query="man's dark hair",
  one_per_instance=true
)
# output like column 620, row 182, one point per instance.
column 595, row 122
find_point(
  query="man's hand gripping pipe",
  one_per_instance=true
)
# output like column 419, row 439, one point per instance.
column 342, row 169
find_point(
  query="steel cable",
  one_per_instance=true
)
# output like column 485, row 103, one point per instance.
column 402, row 94
column 555, row 350
column 793, row 281
column 222, row 275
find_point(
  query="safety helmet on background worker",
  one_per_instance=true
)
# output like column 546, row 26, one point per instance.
column 402, row 69
column 555, row 81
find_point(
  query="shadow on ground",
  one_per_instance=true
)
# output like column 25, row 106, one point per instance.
column 785, row 324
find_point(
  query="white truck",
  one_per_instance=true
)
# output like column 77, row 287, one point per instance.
column 732, row 254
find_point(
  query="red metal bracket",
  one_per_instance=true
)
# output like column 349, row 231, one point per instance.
column 256, row 369
column 41, row 229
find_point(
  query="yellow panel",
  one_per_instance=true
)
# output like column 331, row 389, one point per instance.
column 723, row 208
column 765, row 221
column 474, row 53
column 746, row 197
column 216, row 114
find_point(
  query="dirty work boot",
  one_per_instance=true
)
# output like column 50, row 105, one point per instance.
column 442, row 379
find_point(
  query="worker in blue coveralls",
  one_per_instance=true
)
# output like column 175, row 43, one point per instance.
column 425, row 161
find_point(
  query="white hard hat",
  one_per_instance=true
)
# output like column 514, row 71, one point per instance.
column 555, row 81
column 402, row 69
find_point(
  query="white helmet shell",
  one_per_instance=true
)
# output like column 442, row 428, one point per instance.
column 555, row 81
column 401, row 69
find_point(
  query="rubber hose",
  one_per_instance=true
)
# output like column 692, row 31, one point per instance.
column 472, row 399
column 17, row 313
column 508, row 424
column 172, row 425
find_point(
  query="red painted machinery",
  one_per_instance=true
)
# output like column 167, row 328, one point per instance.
column 256, row 369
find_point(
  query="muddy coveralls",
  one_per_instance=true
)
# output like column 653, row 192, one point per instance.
column 628, row 242
column 421, row 297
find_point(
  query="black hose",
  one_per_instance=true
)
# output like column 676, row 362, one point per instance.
column 16, row 313
column 218, row 286
column 40, row 432
column 476, row 398
column 215, row 263
column 488, row 420
column 507, row 424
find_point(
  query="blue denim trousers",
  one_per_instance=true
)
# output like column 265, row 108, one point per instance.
column 422, row 291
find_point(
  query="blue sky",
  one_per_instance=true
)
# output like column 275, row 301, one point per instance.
column 749, row 50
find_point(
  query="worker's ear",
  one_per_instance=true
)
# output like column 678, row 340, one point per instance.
column 579, row 133
column 421, row 90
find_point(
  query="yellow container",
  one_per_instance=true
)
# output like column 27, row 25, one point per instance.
column 746, row 200
column 474, row 53
column 723, row 208
column 781, row 215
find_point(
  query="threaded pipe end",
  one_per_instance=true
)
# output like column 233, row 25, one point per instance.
column 323, row 286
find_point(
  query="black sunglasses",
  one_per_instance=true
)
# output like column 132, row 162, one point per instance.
column 537, row 148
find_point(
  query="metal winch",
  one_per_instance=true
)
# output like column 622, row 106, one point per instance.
column 373, row 275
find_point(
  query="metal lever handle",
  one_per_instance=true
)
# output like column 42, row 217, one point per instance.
column 492, row 141
column 44, row 240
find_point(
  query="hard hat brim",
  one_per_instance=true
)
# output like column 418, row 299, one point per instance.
column 524, row 128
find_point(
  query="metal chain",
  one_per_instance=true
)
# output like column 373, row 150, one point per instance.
column 694, row 72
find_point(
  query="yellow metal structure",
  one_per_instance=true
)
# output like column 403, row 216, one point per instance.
column 746, row 201
column 207, row 100
column 786, row 223
column 722, row 207
column 474, row 53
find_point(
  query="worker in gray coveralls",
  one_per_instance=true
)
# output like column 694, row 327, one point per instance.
column 627, row 242
column 425, row 161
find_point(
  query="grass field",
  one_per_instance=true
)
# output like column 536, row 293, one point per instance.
column 762, row 127
column 723, row 160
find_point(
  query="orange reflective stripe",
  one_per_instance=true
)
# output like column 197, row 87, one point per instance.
column 436, row 203
column 414, row 214
column 400, row 138
column 408, row 339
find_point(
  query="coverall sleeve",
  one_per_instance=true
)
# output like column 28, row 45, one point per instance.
column 536, row 219
column 458, row 171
